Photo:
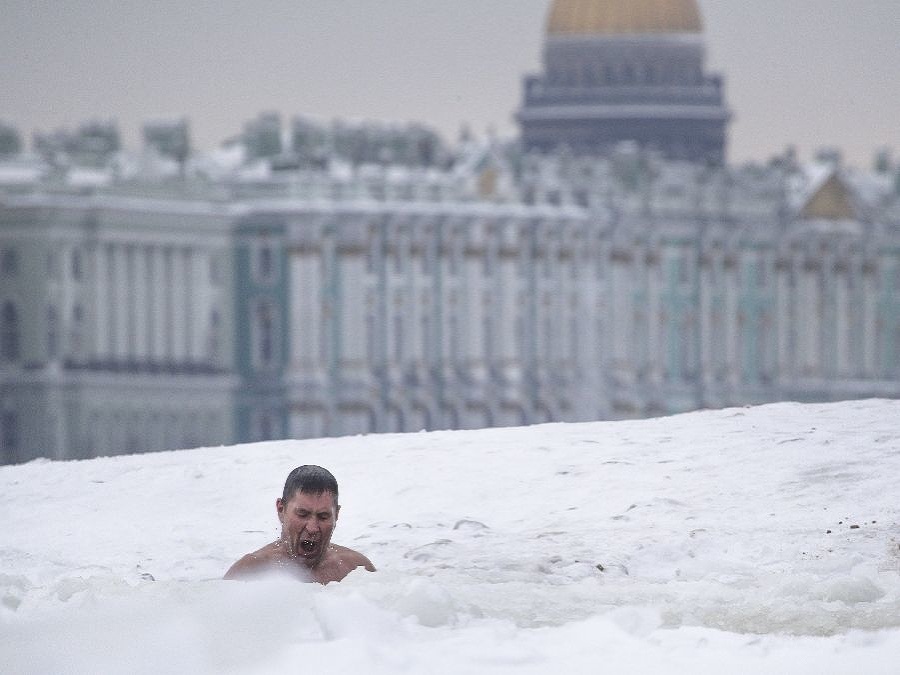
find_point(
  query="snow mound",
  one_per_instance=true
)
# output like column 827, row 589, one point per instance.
column 766, row 537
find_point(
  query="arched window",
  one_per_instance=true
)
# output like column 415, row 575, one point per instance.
column 264, row 338
column 9, row 332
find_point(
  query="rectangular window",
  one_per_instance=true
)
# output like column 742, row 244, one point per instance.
column 265, row 334
column 264, row 260
column 76, row 338
column 9, row 433
column 9, row 332
column 398, row 339
column 760, row 274
column 548, row 340
column 215, row 269
column 371, row 352
column 77, row 268
column 520, row 336
column 372, row 252
column 573, row 340
column 266, row 265
column 9, row 262
column 683, row 271
column 453, row 338
column 52, row 267
column 426, row 336
column 52, row 333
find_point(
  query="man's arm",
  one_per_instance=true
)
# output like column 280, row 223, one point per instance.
column 365, row 562
column 350, row 559
column 249, row 565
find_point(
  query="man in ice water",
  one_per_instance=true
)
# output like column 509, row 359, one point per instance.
column 308, row 510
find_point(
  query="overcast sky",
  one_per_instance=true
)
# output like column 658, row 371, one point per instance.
column 805, row 72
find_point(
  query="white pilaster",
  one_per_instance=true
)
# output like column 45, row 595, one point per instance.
column 841, row 325
column 306, row 321
column 101, row 347
column 178, row 302
column 141, row 304
column 189, row 300
column 121, row 300
column 869, row 328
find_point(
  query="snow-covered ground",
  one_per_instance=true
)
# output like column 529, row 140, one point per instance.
column 752, row 540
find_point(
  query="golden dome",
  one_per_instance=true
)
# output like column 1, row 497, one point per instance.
column 623, row 17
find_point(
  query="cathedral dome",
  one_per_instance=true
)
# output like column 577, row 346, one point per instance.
column 623, row 17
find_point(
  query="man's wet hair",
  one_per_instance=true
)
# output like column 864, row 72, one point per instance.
column 310, row 479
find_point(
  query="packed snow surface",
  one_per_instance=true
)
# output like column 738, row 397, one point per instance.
column 754, row 540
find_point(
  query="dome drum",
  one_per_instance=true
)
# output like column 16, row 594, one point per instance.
column 593, row 62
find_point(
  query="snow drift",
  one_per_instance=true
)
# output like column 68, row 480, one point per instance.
column 762, row 537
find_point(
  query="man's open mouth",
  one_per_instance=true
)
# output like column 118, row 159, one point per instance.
column 307, row 545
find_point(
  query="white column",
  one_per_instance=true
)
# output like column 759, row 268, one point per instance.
column 413, row 315
column 783, row 323
column 151, row 294
column 841, row 325
column 804, row 327
column 811, row 325
column 507, row 313
column 122, row 308
column 473, row 315
column 622, row 316
column 141, row 304
column 177, row 309
column 351, row 299
column 306, row 321
column 656, row 343
column 158, row 282
column 732, row 326
column 869, row 328
column 132, row 310
column 101, row 305
column 168, row 301
column 706, row 365
column 189, row 303
column 855, row 311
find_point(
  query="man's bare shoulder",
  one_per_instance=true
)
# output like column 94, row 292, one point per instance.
column 254, row 563
column 348, row 558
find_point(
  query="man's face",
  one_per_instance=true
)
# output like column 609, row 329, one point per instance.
column 307, row 522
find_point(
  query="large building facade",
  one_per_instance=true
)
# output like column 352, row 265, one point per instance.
column 117, row 323
column 375, row 281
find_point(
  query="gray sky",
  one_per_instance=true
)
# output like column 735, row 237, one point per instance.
column 805, row 72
